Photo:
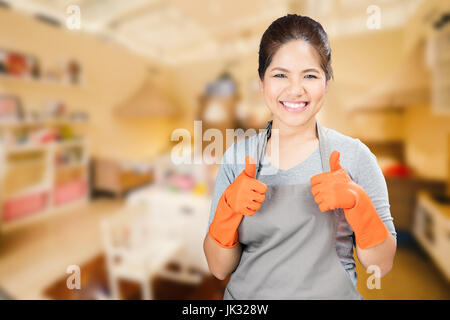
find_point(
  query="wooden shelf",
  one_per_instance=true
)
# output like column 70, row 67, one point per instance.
column 44, row 89
column 70, row 166
column 70, row 143
column 42, row 147
column 41, row 187
column 36, row 123
column 13, row 80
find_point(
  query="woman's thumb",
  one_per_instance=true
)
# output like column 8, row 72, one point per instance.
column 250, row 166
column 334, row 161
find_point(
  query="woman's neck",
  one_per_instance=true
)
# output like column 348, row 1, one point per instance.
column 289, row 145
column 289, row 135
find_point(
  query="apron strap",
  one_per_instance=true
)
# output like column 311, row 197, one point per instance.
column 261, row 148
column 323, row 148
column 325, row 153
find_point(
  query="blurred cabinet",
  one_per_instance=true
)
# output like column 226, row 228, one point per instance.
column 432, row 229
column 117, row 177
column 403, row 192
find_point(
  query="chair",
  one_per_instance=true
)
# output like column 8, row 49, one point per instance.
column 136, row 248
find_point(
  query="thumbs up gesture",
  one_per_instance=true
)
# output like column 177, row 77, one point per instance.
column 333, row 189
column 246, row 194
column 242, row 197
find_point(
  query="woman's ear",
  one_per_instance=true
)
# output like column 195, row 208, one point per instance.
column 327, row 85
column 261, row 85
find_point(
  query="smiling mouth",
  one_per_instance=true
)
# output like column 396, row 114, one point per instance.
column 295, row 106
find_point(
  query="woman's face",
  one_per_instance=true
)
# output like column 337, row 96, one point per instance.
column 294, row 85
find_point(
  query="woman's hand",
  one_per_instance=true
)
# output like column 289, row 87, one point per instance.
column 246, row 194
column 335, row 189
column 242, row 197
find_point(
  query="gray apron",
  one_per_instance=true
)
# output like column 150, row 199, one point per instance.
column 289, row 245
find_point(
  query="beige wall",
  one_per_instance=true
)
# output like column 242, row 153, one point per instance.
column 427, row 137
column 360, row 63
column 111, row 74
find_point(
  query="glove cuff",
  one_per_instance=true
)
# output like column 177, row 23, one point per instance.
column 223, row 228
column 366, row 223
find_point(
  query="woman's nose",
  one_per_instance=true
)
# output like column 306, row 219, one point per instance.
column 296, row 88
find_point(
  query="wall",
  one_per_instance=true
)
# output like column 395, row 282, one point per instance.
column 426, row 138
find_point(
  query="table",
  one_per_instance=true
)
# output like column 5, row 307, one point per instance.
column 188, row 215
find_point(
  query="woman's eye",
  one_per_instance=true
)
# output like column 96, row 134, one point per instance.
column 310, row 75
column 276, row 76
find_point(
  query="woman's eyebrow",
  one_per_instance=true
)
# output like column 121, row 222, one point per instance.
column 279, row 68
column 286, row 70
column 311, row 70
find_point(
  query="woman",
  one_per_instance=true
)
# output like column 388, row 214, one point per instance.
column 284, row 226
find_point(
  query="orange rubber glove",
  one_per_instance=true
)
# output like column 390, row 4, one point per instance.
column 242, row 197
column 335, row 189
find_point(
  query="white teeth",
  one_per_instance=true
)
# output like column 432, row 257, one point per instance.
column 294, row 105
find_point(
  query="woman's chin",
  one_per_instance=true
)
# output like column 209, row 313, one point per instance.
column 294, row 120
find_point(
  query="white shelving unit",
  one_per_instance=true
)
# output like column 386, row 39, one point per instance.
column 432, row 230
column 48, row 183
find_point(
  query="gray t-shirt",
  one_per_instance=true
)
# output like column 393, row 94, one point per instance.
column 355, row 157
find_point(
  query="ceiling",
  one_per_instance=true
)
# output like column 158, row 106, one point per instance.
column 181, row 31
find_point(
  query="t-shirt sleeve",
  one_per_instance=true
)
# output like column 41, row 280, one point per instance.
column 225, row 176
column 370, row 177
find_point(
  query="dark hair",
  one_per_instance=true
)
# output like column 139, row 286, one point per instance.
column 294, row 27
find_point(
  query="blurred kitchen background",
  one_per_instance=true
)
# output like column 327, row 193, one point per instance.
column 92, row 90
